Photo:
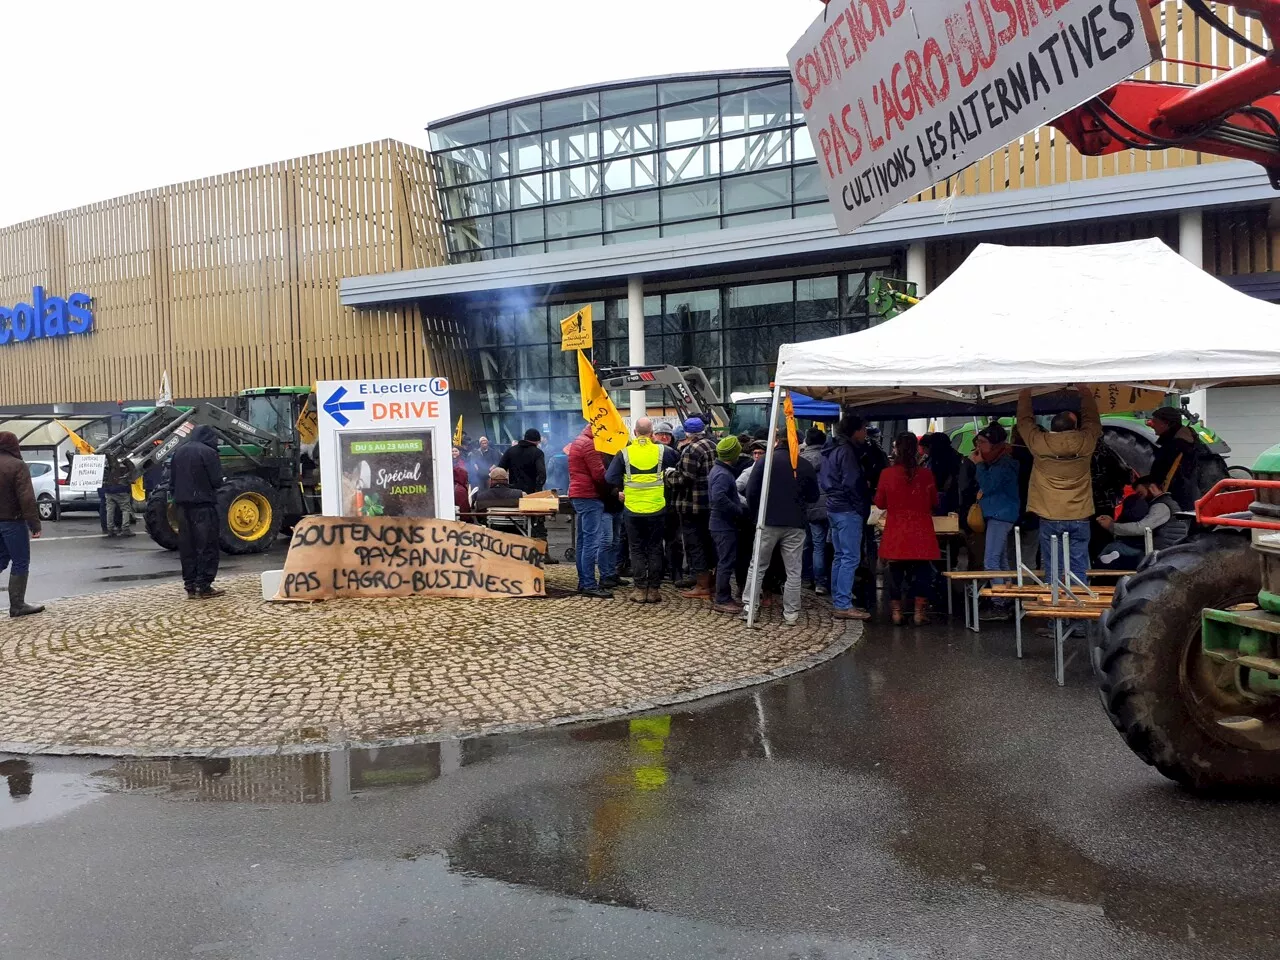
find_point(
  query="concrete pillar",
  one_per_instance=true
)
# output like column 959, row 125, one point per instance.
column 635, row 338
column 917, row 267
column 1191, row 246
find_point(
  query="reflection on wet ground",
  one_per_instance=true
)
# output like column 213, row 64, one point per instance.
column 927, row 794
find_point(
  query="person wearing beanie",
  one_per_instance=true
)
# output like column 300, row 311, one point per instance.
column 640, row 472
column 664, row 432
column 727, row 511
column 525, row 463
column 693, row 504
column 19, row 522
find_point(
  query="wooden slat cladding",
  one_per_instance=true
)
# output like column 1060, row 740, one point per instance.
column 232, row 281
column 1044, row 157
column 1243, row 240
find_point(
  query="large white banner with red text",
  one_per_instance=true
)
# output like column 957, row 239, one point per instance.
column 900, row 94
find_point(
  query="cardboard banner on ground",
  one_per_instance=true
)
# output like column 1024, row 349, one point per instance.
column 369, row 557
column 900, row 94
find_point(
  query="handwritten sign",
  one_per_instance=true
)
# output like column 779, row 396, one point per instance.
column 607, row 425
column 331, row 557
column 308, row 424
column 900, row 94
column 1119, row 398
column 87, row 471
column 575, row 331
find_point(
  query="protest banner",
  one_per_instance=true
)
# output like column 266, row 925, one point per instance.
column 87, row 471
column 371, row 557
column 607, row 424
column 900, row 94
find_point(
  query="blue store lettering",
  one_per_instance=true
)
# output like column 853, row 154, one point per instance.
column 46, row 317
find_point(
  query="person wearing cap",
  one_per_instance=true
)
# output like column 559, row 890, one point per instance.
column 1178, row 452
column 640, row 471
column 727, row 513
column 693, row 504
column 791, row 491
column 997, row 475
column 664, row 432
column 525, row 463
column 19, row 523
column 497, row 492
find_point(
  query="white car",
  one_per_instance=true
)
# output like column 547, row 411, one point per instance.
column 49, row 492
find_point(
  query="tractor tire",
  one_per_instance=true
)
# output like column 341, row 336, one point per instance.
column 249, row 509
column 1158, row 689
column 161, row 519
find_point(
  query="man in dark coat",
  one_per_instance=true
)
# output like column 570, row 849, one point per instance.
column 195, row 473
column 525, row 463
column 19, row 522
column 786, row 516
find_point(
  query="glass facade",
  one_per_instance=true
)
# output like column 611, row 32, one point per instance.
column 732, row 331
column 630, row 162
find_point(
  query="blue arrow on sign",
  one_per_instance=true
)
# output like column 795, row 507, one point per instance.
column 335, row 405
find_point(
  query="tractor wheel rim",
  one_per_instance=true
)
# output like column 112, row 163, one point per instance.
column 249, row 516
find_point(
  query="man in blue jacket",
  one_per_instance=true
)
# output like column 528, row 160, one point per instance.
column 727, row 512
column 195, row 473
column 848, row 503
column 1000, row 501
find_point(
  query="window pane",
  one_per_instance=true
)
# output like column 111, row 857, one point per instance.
column 525, row 119
column 690, row 163
column 575, row 243
column 528, row 153
column 817, row 331
column 687, row 90
column 761, row 304
column 632, row 210
column 627, row 100
column 567, row 110
column 527, row 191
column 565, row 392
column 756, row 109
column 691, row 202
column 460, row 133
column 747, row 380
column 813, row 209
column 574, row 219
column 575, row 183
column 501, row 194
column 809, row 184
column 637, row 133
column 525, row 249
column 527, row 225
column 695, row 310
column 467, row 201
column 757, row 344
column 817, row 299
column 632, row 173
column 649, row 233
column 689, row 122
column 502, row 231
column 803, row 144
column 760, row 216
column 757, row 151
column 690, row 226
column 469, row 165
column 757, row 191
column 471, row 234
column 572, row 145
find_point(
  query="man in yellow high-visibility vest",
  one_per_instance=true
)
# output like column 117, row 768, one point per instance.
column 639, row 471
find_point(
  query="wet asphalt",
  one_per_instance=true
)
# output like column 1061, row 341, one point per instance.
column 924, row 795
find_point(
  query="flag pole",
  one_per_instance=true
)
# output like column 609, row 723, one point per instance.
column 753, row 582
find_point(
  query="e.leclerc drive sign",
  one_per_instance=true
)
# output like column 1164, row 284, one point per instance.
column 385, row 448
column 900, row 94
column 45, row 316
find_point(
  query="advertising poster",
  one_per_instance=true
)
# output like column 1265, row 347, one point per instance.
column 387, row 473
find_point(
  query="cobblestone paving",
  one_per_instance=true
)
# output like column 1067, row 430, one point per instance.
column 145, row 671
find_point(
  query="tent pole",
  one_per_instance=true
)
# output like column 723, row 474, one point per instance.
column 753, row 582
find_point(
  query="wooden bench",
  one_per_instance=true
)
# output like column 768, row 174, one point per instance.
column 972, row 580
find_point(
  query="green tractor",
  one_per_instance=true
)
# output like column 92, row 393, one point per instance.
column 1188, row 657
column 267, row 447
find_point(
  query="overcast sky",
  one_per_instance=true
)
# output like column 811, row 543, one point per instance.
column 105, row 98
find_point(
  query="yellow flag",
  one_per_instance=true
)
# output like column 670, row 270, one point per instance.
column 80, row 443
column 793, row 439
column 598, row 410
column 457, row 433
column 575, row 331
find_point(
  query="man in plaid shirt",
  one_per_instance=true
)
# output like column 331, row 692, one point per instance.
column 693, row 504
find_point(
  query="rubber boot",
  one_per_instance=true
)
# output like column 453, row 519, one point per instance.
column 701, row 588
column 18, row 606
column 921, row 605
column 895, row 611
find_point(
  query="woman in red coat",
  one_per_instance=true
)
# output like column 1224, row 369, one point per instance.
column 907, row 494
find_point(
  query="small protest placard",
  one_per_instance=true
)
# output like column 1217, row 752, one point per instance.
column 87, row 471
column 331, row 557
column 576, row 331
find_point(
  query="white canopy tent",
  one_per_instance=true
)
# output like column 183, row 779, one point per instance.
column 1131, row 313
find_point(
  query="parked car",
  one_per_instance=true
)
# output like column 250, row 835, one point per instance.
column 50, row 491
